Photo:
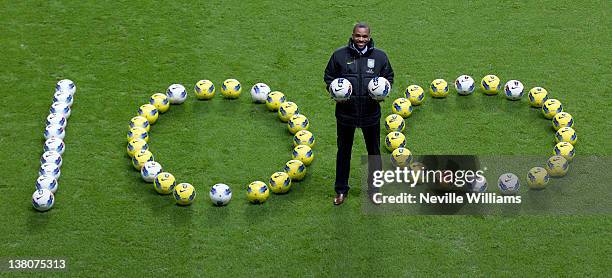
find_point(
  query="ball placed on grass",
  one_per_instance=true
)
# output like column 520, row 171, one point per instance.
column 184, row 194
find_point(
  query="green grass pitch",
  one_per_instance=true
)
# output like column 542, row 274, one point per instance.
column 106, row 220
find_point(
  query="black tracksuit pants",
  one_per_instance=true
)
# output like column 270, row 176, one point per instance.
column 346, row 134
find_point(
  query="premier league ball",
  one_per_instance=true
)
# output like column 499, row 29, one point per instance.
column 220, row 194
column 401, row 157
column 46, row 182
column 479, row 184
column 56, row 119
column 279, row 182
column 297, row 122
column 304, row 137
column 164, row 183
column 257, row 192
column 184, row 194
column 340, row 89
column 54, row 144
column 49, row 169
column 66, row 85
column 415, row 94
column 54, row 130
column 204, row 89
column 490, row 84
column 303, row 153
column 51, row 157
column 287, row 110
column 259, row 92
column 61, row 108
column 394, row 122
column 231, row 88
column 395, row 140
column 537, row 178
column 295, row 169
column 508, row 184
column 274, row 100
column 176, row 94
column 379, row 88
column 438, row 88
column 63, row 96
column 513, row 90
column 149, row 112
column 160, row 101
column 464, row 85
column 150, row 170
column 43, row 199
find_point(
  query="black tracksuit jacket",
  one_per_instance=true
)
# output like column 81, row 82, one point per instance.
column 347, row 62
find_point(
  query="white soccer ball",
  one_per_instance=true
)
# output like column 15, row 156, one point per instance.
column 340, row 89
column 479, row 185
column 56, row 119
column 508, row 183
column 513, row 90
column 43, row 199
column 51, row 157
column 220, row 194
column 46, row 182
column 54, row 144
column 54, row 131
column 379, row 88
column 66, row 85
column 49, row 169
column 61, row 108
column 176, row 94
column 63, row 96
column 259, row 92
column 464, row 85
column 150, row 170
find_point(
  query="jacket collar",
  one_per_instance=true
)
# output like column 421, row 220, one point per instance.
column 353, row 49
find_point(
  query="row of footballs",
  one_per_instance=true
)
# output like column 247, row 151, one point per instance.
column 220, row 194
column 49, row 172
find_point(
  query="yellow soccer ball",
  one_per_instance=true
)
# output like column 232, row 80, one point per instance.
column 563, row 119
column 401, row 157
column 295, row 169
column 490, row 84
column 394, row 122
column 439, row 88
column 565, row 149
column 137, row 133
column 280, row 182
column 135, row 145
column 402, row 107
column 537, row 178
column 257, row 192
column 160, row 101
column 395, row 140
column 303, row 153
column 557, row 166
column 274, row 100
column 140, row 158
column 566, row 134
column 184, row 194
column 140, row 121
column 286, row 110
column 164, row 183
column 415, row 94
column 551, row 107
column 297, row 122
column 537, row 96
column 303, row 137
column 148, row 111
column 205, row 89
column 231, row 88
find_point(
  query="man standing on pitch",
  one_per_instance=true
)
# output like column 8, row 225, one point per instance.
column 358, row 62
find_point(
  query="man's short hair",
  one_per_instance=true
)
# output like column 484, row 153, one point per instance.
column 361, row 25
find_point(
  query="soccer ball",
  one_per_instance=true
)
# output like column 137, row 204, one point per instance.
column 149, row 112
column 513, row 90
column 231, row 88
column 508, row 184
column 303, row 153
column 51, row 157
column 537, row 96
column 438, row 88
column 160, row 101
column 135, row 145
column 204, row 89
column 184, row 193
column 257, row 192
column 43, row 199
column 402, row 107
column 490, row 84
column 563, row 119
column 140, row 121
column 46, row 182
column 479, row 184
column 379, row 88
column 565, row 149
column 303, row 137
column 415, row 94
column 297, row 122
column 340, row 89
column 54, row 130
column 220, row 194
column 141, row 157
column 56, row 119
column 279, row 182
column 566, row 134
column 50, row 169
column 537, row 178
column 66, row 85
column 54, row 144
column 150, row 170
column 395, row 140
column 464, row 85
column 137, row 133
column 164, row 183
column 61, row 108
column 557, row 166
column 394, row 122
column 287, row 110
column 259, row 92
column 176, row 94
column 63, row 96
column 295, row 169
column 551, row 107
column 401, row 157
column 274, row 100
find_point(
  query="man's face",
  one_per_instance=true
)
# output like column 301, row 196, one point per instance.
column 361, row 37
